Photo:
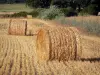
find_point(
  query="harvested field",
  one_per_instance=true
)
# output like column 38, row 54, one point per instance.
column 85, row 18
column 16, row 54
column 22, row 26
column 60, row 43
column 91, row 47
column 17, row 57
column 18, row 27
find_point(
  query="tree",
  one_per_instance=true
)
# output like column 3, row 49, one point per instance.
column 60, row 3
column 2, row 1
column 75, row 4
column 38, row 3
column 97, row 2
column 82, row 3
column 79, row 3
column 10, row 1
column 72, row 3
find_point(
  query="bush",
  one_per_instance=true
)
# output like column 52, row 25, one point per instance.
column 51, row 13
column 36, row 12
column 90, row 10
column 69, row 11
column 20, row 14
column 83, row 14
column 5, row 16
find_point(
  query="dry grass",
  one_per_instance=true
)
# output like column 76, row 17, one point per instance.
column 60, row 43
column 17, row 57
column 34, row 25
column 23, row 26
column 90, row 24
column 85, row 18
column 91, row 47
column 18, row 53
column 17, row 27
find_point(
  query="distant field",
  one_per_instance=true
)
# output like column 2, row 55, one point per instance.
column 14, row 8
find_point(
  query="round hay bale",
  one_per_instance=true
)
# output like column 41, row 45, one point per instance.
column 17, row 27
column 4, row 25
column 29, row 16
column 61, row 43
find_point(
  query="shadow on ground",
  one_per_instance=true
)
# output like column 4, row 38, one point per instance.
column 90, row 59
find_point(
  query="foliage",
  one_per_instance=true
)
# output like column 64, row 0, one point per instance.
column 83, row 14
column 38, row 3
column 60, row 3
column 51, row 13
column 11, row 1
column 75, row 4
column 20, row 14
column 91, row 10
column 69, row 11
column 34, row 13
column 2, row 1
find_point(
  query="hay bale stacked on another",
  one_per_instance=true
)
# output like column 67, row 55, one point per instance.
column 60, row 43
column 17, row 27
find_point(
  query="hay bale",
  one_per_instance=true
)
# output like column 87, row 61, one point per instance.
column 17, row 27
column 98, row 13
column 4, row 25
column 29, row 16
column 61, row 43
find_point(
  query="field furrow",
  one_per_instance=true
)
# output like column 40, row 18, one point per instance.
column 18, row 57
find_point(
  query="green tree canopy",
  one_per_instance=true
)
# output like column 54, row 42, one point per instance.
column 38, row 3
column 75, row 4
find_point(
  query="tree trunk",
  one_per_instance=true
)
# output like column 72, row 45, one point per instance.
column 79, row 7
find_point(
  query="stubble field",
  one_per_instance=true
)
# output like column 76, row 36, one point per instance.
column 18, row 53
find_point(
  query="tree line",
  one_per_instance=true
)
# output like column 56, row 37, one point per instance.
column 11, row 1
column 78, row 5
column 75, row 4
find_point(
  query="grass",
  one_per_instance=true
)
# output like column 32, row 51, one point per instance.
column 90, row 24
column 14, row 8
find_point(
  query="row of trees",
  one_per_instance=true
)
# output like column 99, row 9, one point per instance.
column 75, row 4
column 11, row 1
